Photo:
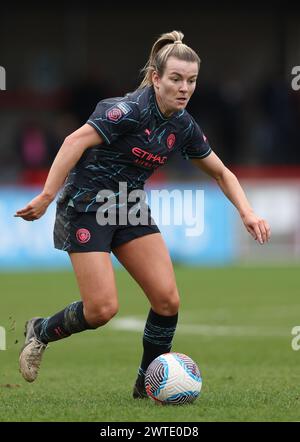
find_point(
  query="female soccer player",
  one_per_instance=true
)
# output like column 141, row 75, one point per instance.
column 123, row 142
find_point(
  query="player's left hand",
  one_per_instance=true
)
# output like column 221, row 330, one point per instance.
column 257, row 227
column 35, row 208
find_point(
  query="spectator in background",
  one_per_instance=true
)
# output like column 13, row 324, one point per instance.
column 34, row 145
column 37, row 146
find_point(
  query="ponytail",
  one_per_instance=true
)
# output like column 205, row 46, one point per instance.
column 167, row 45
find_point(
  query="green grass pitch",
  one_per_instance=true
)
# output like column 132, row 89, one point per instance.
column 234, row 322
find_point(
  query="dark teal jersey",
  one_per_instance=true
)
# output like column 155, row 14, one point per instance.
column 137, row 139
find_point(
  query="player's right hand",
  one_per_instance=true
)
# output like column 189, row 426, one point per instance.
column 35, row 208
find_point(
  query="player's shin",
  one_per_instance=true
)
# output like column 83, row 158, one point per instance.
column 62, row 324
column 157, row 339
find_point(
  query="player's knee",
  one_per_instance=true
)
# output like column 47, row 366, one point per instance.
column 98, row 315
column 168, row 302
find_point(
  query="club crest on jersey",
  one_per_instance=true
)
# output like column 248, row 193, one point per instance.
column 83, row 235
column 117, row 112
column 171, row 141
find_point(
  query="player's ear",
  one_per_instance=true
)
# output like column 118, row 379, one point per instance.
column 155, row 78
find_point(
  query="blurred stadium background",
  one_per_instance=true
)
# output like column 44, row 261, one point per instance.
column 59, row 64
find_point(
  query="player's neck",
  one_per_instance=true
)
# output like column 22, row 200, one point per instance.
column 162, row 108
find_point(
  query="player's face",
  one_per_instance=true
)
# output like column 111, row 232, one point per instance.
column 176, row 86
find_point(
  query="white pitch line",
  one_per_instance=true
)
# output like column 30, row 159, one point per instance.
column 134, row 324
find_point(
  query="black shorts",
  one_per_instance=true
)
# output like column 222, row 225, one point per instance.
column 79, row 231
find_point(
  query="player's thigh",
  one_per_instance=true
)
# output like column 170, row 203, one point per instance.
column 147, row 259
column 96, row 280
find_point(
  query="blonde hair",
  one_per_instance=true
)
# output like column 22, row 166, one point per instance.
column 167, row 45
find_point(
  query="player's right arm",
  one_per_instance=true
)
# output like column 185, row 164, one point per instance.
column 68, row 155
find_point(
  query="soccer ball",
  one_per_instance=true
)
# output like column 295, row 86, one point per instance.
column 173, row 378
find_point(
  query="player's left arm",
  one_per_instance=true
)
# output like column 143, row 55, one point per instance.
column 229, row 184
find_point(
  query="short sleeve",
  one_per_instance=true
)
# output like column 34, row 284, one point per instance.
column 114, row 117
column 197, row 145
